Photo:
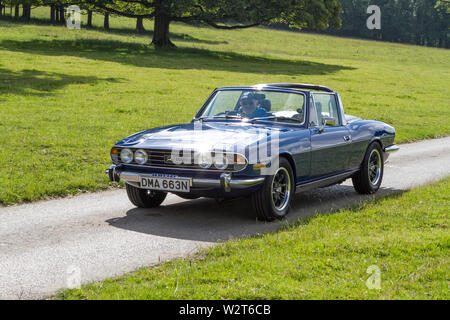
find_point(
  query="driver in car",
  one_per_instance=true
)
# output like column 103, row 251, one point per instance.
column 250, row 107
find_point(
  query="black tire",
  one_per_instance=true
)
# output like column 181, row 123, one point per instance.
column 368, row 179
column 263, row 201
column 143, row 198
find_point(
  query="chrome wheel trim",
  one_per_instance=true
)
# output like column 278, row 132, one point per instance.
column 374, row 167
column 281, row 189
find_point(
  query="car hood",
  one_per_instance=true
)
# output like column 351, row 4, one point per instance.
column 202, row 136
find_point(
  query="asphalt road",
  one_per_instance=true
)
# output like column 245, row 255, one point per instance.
column 48, row 245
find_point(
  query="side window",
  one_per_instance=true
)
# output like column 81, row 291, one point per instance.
column 313, row 120
column 326, row 106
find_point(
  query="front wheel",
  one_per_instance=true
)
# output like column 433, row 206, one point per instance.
column 273, row 199
column 143, row 198
column 368, row 179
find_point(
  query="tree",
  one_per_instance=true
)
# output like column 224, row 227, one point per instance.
column 52, row 13
column 442, row 8
column 26, row 9
column 421, row 22
column 140, row 25
column 106, row 21
column 89, row 18
column 16, row 11
column 223, row 14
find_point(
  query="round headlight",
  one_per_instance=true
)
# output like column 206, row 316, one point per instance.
column 126, row 155
column 204, row 160
column 141, row 156
column 220, row 162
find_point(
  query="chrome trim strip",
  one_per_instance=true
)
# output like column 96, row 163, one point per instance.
column 345, row 143
column 325, row 181
column 391, row 148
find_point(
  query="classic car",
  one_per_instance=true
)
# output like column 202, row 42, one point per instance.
column 263, row 142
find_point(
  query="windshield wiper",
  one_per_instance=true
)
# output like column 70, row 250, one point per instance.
column 276, row 118
column 226, row 116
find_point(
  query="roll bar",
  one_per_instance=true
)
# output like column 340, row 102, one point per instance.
column 300, row 86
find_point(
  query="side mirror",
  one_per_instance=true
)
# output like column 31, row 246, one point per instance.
column 326, row 121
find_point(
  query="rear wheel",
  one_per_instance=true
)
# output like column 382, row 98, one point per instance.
column 273, row 199
column 368, row 179
column 143, row 198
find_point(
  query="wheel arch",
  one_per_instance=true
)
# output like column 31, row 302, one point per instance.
column 372, row 141
column 289, row 158
column 375, row 140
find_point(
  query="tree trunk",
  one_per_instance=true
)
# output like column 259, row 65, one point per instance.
column 140, row 25
column 29, row 13
column 16, row 12
column 106, row 21
column 26, row 14
column 52, row 14
column 62, row 19
column 1, row 7
column 161, row 35
column 89, row 19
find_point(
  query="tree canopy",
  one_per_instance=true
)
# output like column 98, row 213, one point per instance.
column 223, row 14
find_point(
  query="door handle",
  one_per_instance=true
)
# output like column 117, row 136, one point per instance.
column 347, row 138
column 319, row 129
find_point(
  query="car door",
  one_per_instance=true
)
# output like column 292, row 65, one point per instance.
column 330, row 145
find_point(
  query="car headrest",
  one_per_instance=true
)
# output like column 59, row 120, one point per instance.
column 260, row 96
column 266, row 104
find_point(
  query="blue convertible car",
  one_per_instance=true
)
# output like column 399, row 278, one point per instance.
column 265, row 142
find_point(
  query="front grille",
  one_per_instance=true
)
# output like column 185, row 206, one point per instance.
column 162, row 158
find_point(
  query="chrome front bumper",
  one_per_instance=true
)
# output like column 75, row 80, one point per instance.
column 225, row 182
column 388, row 150
column 391, row 148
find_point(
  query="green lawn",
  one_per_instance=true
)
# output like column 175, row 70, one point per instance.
column 325, row 257
column 66, row 96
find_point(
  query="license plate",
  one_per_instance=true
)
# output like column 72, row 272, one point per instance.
column 166, row 183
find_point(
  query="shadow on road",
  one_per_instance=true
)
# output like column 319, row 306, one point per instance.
column 209, row 221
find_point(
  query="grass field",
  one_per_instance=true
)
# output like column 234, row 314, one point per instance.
column 66, row 96
column 325, row 257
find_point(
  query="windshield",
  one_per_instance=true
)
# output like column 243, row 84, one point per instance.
column 256, row 105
